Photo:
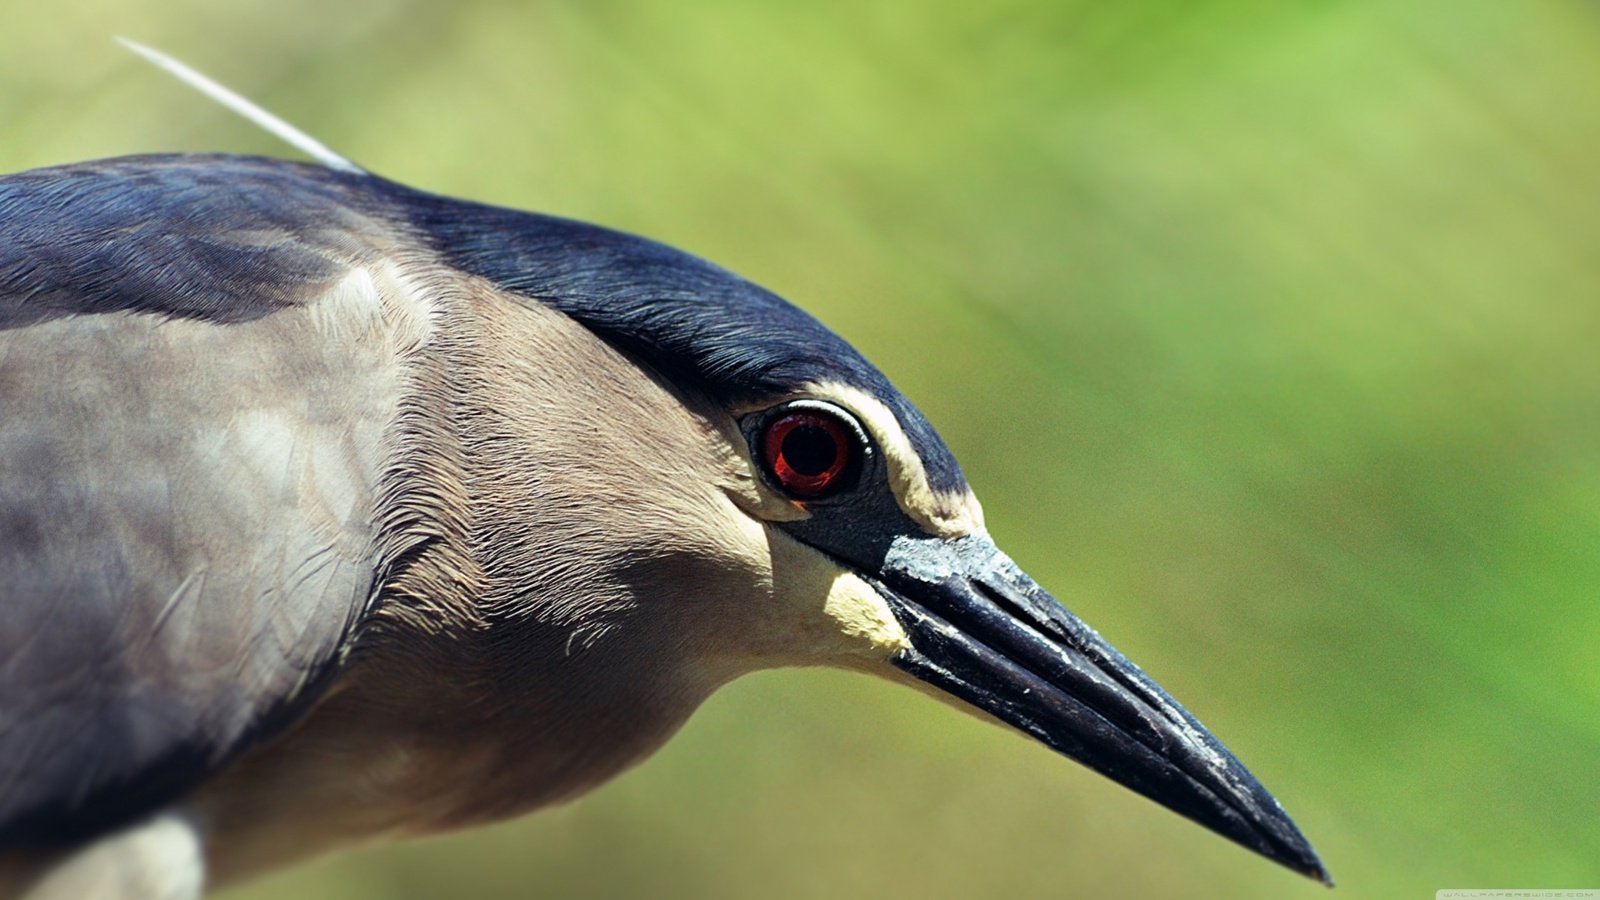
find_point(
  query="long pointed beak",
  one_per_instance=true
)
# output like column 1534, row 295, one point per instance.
column 982, row 630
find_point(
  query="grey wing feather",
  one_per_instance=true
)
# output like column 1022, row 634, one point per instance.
column 189, row 472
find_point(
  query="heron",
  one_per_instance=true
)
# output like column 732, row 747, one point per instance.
column 334, row 510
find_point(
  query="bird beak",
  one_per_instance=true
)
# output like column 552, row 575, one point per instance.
column 982, row 630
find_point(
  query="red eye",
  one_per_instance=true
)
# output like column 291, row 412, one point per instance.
column 808, row 453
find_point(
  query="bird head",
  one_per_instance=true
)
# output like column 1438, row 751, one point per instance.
column 872, row 546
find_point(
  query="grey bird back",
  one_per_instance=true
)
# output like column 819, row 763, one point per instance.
column 189, row 469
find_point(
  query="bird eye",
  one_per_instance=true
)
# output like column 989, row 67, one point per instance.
column 810, row 453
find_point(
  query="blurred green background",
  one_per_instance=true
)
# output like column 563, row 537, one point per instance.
column 1266, row 331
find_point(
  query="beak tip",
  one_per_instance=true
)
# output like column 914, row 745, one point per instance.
column 1301, row 858
column 1284, row 843
column 1315, row 869
column 1320, row 873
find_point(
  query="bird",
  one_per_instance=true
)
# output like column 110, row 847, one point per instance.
column 334, row 511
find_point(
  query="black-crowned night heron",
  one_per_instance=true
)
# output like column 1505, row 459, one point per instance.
column 333, row 510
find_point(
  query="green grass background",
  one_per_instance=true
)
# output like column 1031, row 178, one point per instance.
column 1267, row 332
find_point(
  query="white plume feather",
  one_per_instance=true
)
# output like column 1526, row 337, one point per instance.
column 291, row 135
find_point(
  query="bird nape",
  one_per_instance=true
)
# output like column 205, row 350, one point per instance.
column 333, row 510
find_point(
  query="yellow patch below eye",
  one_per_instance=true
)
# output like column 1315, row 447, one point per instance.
column 822, row 614
column 863, row 615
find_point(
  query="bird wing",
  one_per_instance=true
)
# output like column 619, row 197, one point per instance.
column 199, row 362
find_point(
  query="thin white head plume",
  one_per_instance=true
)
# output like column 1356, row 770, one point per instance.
column 291, row 135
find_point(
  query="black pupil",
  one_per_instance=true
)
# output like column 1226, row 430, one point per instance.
column 809, row 449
